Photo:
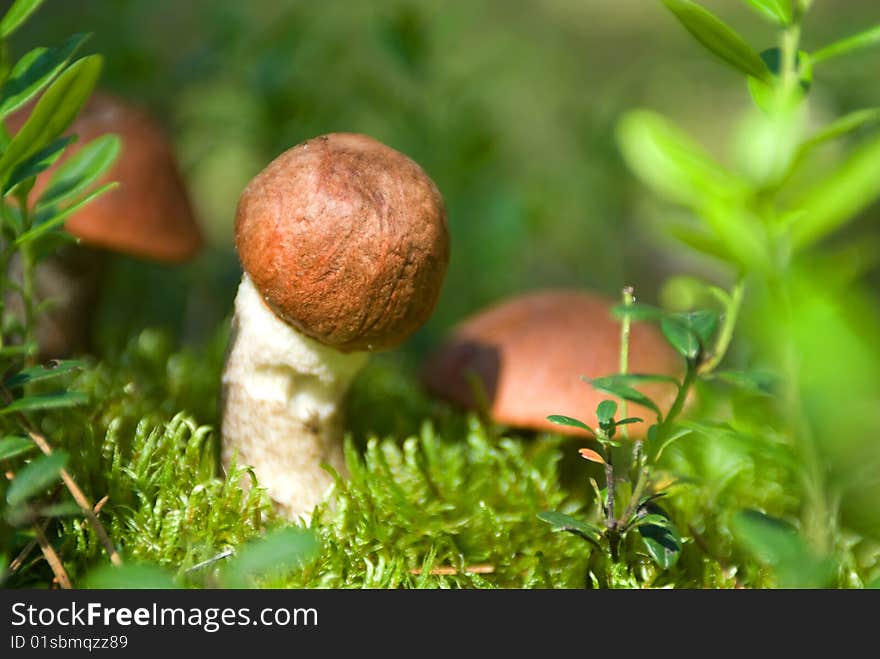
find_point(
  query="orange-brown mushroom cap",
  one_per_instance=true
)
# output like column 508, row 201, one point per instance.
column 530, row 352
column 149, row 214
column 346, row 240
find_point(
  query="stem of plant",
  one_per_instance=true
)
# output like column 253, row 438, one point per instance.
column 663, row 427
column 818, row 518
column 71, row 485
column 28, row 290
column 628, row 299
column 725, row 334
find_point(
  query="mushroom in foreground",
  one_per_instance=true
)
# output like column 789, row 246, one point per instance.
column 529, row 353
column 148, row 216
column 344, row 247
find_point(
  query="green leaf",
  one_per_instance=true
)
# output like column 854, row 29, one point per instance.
column 778, row 545
column 652, row 519
column 761, row 383
column 833, row 202
column 63, row 509
column 719, row 38
column 563, row 522
column 698, row 240
column 40, row 373
column 14, row 445
column 778, row 11
column 39, row 162
column 45, row 402
column 46, row 225
column 680, row 337
column 612, row 385
column 35, row 477
column 638, row 311
column 661, row 539
column 53, row 113
column 670, row 163
column 81, row 170
column 688, row 332
column 866, row 39
column 674, row 437
column 130, row 576
column 21, row 349
column 34, row 71
column 628, row 420
column 280, row 551
column 838, row 128
column 17, row 14
column 569, row 421
column 605, row 412
column 640, row 378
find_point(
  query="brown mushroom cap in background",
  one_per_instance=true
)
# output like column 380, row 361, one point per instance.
column 346, row 240
column 530, row 352
column 149, row 214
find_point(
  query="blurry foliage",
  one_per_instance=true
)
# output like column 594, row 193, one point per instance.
column 514, row 113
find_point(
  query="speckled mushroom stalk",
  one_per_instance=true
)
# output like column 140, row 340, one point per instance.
column 344, row 246
column 282, row 397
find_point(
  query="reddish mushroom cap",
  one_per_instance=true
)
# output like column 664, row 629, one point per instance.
column 346, row 240
column 149, row 214
column 530, row 352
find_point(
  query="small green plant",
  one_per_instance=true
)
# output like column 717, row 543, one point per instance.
column 632, row 526
column 31, row 230
column 770, row 219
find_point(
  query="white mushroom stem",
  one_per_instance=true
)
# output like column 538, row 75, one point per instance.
column 282, row 404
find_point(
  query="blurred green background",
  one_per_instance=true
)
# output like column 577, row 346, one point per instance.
column 509, row 105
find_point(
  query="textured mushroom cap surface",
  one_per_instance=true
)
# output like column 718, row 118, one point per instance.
column 149, row 214
column 530, row 352
column 346, row 240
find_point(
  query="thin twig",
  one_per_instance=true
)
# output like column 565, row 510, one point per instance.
column 53, row 560
column 448, row 570
column 78, row 495
column 213, row 559
column 29, row 547
column 16, row 564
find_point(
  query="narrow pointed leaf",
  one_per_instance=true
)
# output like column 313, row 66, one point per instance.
column 39, row 162
column 34, row 71
column 563, row 522
column 778, row 11
column 611, row 386
column 840, row 197
column 719, row 38
column 55, row 400
column 14, row 445
column 53, row 113
column 569, row 421
column 58, row 219
column 18, row 13
column 35, row 477
column 40, row 373
column 672, row 164
column 866, row 39
column 81, row 170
